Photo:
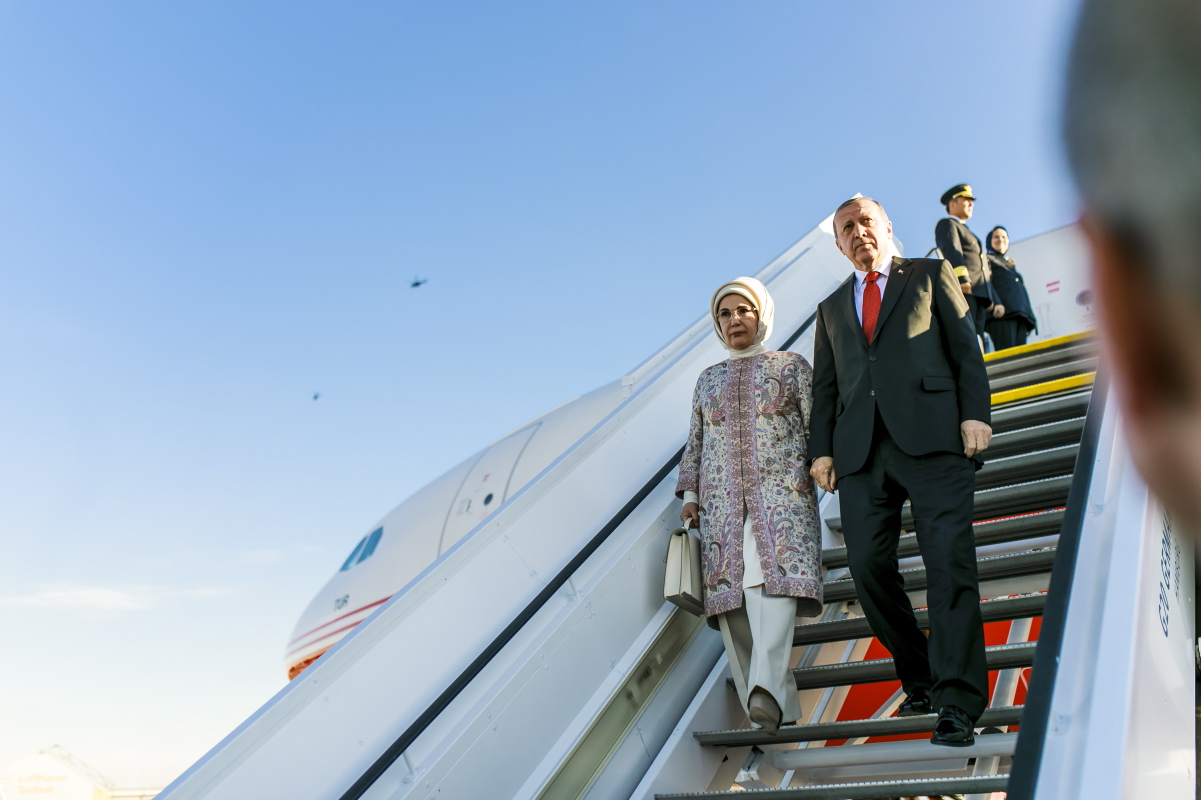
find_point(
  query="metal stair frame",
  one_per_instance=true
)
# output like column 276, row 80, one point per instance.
column 1061, row 487
column 1110, row 708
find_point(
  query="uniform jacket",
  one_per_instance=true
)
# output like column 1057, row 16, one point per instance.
column 923, row 370
column 962, row 248
column 747, row 449
column 1010, row 289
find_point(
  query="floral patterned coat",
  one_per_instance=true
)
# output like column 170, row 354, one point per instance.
column 747, row 447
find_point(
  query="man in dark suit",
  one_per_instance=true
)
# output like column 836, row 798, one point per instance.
column 962, row 248
column 901, row 408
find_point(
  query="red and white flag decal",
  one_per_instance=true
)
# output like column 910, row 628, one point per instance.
column 1052, row 287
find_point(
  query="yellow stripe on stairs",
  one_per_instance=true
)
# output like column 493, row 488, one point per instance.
column 1049, row 387
column 1034, row 347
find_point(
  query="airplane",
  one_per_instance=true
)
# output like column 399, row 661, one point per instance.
column 481, row 641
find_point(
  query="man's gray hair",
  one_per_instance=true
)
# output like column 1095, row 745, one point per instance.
column 846, row 203
column 1132, row 126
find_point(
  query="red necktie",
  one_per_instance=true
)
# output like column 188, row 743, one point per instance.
column 871, row 305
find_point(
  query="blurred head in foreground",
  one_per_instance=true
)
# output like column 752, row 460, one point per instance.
column 1132, row 125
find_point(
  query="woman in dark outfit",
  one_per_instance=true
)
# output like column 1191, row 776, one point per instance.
column 1012, row 317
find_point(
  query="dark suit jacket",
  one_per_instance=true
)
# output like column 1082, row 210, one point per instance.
column 1011, row 291
column 923, row 369
column 962, row 248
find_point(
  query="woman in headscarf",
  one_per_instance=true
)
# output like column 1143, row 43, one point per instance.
column 1012, row 317
column 745, row 483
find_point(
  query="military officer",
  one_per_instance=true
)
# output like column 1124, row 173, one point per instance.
column 963, row 249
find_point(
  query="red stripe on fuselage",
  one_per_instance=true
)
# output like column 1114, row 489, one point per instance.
column 334, row 632
column 337, row 619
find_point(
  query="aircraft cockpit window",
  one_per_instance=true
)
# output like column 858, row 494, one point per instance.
column 372, row 541
column 358, row 548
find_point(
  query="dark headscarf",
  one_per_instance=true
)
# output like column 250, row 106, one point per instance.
column 988, row 241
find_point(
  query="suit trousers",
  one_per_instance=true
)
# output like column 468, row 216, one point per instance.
column 758, row 639
column 1006, row 333
column 951, row 664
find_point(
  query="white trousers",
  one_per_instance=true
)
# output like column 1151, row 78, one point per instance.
column 758, row 639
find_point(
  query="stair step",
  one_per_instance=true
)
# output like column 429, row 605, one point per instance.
column 850, row 729
column 843, row 630
column 989, row 745
column 1005, row 656
column 1060, row 386
column 1018, row 498
column 917, row 787
column 1000, row 366
column 1048, row 463
column 996, row 531
column 1010, row 565
column 1040, row 412
column 1036, row 437
column 1043, row 375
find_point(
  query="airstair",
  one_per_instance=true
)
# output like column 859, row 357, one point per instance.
column 1041, row 395
column 537, row 659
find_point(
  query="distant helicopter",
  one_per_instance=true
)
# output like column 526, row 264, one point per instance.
column 417, row 282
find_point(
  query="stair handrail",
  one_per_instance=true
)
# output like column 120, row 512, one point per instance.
column 1027, row 757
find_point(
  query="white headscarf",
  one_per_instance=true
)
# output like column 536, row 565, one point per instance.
column 756, row 293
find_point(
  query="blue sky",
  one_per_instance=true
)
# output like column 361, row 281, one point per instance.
column 209, row 211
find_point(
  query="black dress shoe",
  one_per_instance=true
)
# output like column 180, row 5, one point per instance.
column 954, row 728
column 916, row 704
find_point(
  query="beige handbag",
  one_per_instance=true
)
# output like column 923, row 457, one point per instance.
column 682, row 579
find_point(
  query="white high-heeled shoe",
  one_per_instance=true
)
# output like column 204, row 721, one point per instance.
column 764, row 711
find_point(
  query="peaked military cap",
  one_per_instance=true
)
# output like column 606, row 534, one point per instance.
column 958, row 190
